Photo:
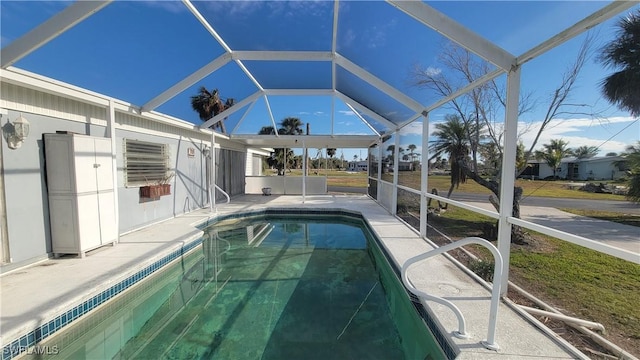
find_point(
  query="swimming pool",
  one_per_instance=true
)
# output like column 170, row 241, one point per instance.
column 265, row 287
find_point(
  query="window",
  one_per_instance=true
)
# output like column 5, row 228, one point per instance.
column 145, row 163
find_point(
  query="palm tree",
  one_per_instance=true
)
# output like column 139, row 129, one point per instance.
column 290, row 126
column 209, row 104
column 412, row 148
column 267, row 130
column 553, row 153
column 585, row 152
column 331, row 152
column 631, row 164
column 623, row 54
column 452, row 139
column 391, row 149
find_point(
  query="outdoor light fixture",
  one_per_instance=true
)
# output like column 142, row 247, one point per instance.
column 17, row 133
column 206, row 151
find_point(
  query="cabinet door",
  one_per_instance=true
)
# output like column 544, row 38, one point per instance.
column 107, row 209
column 59, row 160
column 64, row 227
column 104, row 164
column 85, row 164
column 88, row 221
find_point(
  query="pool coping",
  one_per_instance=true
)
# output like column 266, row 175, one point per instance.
column 81, row 304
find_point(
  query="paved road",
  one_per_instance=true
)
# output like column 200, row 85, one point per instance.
column 626, row 207
column 544, row 211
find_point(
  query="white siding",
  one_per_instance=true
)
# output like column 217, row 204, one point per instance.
column 27, row 100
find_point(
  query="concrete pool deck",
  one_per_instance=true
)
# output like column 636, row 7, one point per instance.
column 34, row 295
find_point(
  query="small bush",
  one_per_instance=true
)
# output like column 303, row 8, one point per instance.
column 482, row 268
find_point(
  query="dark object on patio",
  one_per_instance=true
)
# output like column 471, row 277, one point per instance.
column 266, row 191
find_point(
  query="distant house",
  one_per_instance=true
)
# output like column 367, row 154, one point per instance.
column 571, row 168
column 405, row 166
column 358, row 166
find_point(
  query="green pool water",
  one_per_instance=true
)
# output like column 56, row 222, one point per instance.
column 262, row 288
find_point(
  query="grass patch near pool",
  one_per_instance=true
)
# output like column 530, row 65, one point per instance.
column 576, row 280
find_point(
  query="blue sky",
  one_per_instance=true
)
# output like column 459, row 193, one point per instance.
column 135, row 50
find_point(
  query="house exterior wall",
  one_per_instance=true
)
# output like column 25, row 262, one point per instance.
column 188, row 187
column 599, row 168
column 26, row 196
column 358, row 166
column 50, row 110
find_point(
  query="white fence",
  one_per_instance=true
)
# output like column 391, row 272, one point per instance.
column 286, row 185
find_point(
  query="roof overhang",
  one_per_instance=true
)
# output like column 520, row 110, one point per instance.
column 308, row 141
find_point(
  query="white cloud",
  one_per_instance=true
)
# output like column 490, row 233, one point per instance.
column 170, row 6
column 347, row 113
column 579, row 132
column 377, row 36
column 415, row 128
column 344, row 123
column 348, row 38
column 433, row 71
column 234, row 8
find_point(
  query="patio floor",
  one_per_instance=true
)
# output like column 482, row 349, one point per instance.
column 34, row 295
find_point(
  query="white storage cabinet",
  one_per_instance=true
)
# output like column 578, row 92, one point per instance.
column 81, row 193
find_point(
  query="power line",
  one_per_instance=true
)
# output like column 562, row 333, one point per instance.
column 616, row 134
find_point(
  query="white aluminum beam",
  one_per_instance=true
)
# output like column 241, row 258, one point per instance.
column 424, row 176
column 604, row 14
column 283, row 55
column 299, row 92
column 243, row 117
column 249, row 75
column 334, row 41
column 311, row 141
column 220, row 40
column 236, row 107
column 377, row 117
column 507, row 180
column 579, row 240
column 456, row 32
column 477, row 82
column 187, row 82
column 364, row 121
column 371, row 79
column 396, row 168
column 48, row 30
column 273, row 121
column 334, row 33
column 333, row 113
column 206, row 25
column 411, row 119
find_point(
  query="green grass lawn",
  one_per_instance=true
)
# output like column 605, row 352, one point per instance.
column 334, row 177
column 555, row 189
column 580, row 281
column 541, row 188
